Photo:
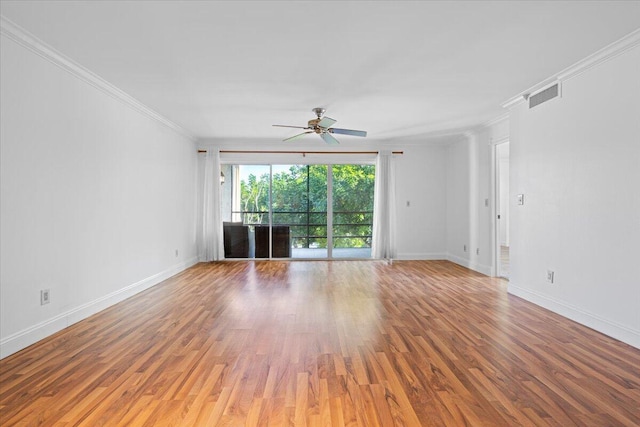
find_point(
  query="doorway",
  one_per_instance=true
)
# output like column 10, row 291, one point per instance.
column 502, row 209
column 303, row 211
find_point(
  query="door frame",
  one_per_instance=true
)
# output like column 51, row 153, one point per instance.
column 496, row 204
column 236, row 164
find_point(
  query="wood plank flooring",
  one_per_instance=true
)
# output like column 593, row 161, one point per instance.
column 324, row 343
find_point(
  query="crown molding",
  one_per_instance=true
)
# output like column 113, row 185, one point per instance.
column 603, row 55
column 616, row 48
column 470, row 134
column 512, row 102
column 21, row 36
column 496, row 120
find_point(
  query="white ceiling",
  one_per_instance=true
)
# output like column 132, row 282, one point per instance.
column 396, row 69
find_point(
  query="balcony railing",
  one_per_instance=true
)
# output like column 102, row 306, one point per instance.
column 351, row 229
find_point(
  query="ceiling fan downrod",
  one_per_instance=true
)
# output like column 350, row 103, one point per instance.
column 319, row 111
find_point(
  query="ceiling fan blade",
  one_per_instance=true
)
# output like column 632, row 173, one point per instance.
column 326, row 122
column 287, row 126
column 297, row 136
column 348, row 132
column 328, row 138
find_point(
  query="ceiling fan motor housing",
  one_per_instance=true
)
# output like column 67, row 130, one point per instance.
column 313, row 124
column 322, row 126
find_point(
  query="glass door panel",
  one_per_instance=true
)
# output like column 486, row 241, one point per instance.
column 245, row 206
column 353, row 188
column 299, row 204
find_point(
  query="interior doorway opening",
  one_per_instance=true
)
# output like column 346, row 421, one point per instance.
column 502, row 209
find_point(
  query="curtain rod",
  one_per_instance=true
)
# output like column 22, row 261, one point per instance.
column 299, row 152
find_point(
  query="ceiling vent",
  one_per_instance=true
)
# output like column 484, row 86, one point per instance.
column 544, row 95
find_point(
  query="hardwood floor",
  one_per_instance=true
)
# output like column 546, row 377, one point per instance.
column 315, row 343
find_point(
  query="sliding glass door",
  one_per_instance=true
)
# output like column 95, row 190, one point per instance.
column 298, row 211
column 299, row 203
column 352, row 219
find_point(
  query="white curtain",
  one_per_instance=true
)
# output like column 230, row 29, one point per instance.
column 384, row 208
column 213, row 245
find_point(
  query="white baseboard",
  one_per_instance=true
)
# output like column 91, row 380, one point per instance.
column 407, row 256
column 480, row 268
column 22, row 339
column 591, row 320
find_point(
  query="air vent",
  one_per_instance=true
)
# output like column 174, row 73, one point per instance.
column 543, row 96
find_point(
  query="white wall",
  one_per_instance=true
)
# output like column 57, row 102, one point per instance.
column 458, row 190
column 420, row 179
column 577, row 161
column 96, row 198
column 469, row 213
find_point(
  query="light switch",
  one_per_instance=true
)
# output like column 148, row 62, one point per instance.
column 521, row 199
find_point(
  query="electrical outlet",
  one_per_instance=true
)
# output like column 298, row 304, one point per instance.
column 520, row 199
column 45, row 296
column 550, row 275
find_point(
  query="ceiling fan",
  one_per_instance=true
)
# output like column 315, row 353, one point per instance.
column 322, row 126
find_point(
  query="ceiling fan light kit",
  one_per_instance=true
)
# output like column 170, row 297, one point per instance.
column 322, row 126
